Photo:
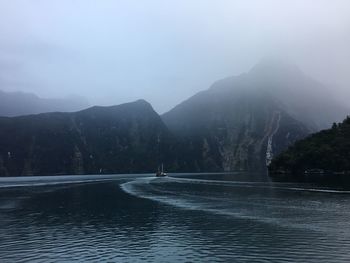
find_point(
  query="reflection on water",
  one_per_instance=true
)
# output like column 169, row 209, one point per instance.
column 196, row 218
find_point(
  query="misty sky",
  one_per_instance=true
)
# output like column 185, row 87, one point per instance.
column 165, row 50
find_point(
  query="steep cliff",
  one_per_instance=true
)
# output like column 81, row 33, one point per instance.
column 116, row 139
column 241, row 122
column 234, row 130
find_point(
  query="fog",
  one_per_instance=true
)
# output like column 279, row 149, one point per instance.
column 165, row 51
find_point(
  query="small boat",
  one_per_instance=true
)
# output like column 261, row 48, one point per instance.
column 160, row 172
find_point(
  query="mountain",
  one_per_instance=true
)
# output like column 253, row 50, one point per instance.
column 20, row 103
column 327, row 150
column 304, row 98
column 117, row 139
column 241, row 122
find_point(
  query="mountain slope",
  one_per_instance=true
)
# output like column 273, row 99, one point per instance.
column 231, row 130
column 242, row 122
column 20, row 103
column 304, row 98
column 328, row 150
column 116, row 139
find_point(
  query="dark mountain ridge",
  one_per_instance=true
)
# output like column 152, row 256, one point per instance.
column 327, row 151
column 117, row 139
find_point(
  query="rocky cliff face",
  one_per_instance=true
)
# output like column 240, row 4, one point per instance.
column 234, row 130
column 241, row 122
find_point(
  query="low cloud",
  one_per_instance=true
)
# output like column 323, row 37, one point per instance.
column 116, row 51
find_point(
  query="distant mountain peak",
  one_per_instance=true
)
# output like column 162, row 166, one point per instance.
column 275, row 65
column 140, row 104
column 22, row 103
column 135, row 109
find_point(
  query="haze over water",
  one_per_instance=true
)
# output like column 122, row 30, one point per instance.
column 193, row 218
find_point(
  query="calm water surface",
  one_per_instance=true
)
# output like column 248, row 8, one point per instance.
column 181, row 218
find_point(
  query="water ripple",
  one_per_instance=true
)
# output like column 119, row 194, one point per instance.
column 173, row 220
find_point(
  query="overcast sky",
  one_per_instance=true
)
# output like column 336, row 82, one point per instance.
column 165, row 50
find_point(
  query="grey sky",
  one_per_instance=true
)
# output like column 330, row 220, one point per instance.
column 164, row 51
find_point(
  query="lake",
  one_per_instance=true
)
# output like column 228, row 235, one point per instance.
column 234, row 217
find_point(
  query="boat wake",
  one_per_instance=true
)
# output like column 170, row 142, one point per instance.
column 258, row 201
column 9, row 182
